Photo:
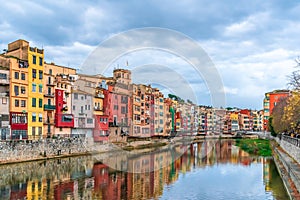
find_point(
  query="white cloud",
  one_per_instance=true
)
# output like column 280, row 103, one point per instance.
column 72, row 56
column 229, row 90
column 251, row 23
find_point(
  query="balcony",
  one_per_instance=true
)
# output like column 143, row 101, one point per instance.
column 99, row 95
column 51, row 95
column 97, row 108
column 4, row 82
column 50, row 84
column 49, row 107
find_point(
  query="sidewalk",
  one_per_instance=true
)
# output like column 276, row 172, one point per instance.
column 289, row 171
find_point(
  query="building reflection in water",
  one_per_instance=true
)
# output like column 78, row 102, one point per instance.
column 81, row 178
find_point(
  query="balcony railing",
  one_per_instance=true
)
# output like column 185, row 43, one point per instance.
column 294, row 141
column 50, row 84
column 4, row 82
column 99, row 95
column 49, row 95
column 97, row 108
column 49, row 107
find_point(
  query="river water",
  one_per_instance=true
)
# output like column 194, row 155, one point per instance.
column 206, row 170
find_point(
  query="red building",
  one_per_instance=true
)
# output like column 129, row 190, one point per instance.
column 61, row 118
column 101, row 178
column 18, row 122
column 64, row 190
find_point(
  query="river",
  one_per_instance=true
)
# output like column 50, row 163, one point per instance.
column 214, row 169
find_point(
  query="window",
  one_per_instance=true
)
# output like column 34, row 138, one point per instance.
column 40, row 88
column 16, row 75
column 23, row 77
column 85, row 107
column 33, row 59
column 23, row 103
column 89, row 120
column 41, row 61
column 123, row 110
column 67, row 118
column 124, row 99
column 40, row 103
column 40, row 117
column 19, row 118
column 40, row 74
column 16, row 90
column 4, row 100
column 49, row 101
column 23, row 91
column 81, row 97
column 33, row 133
column 50, row 71
column 16, row 103
column 115, row 107
column 40, row 133
column 49, row 90
column 33, row 102
column 3, row 76
column 33, row 73
column 75, row 96
column 74, row 107
column 89, row 107
column 33, row 87
column 33, row 119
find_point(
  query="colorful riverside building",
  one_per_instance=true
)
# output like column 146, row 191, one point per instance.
column 245, row 120
column 58, row 82
column 4, row 100
column 26, row 86
column 270, row 101
column 120, row 105
column 143, row 111
column 258, row 120
column 95, row 85
column 159, row 118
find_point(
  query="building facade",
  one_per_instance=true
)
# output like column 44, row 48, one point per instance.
column 270, row 101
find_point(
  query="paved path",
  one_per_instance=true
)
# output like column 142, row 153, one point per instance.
column 289, row 170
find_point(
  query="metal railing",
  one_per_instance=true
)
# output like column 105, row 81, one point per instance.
column 291, row 140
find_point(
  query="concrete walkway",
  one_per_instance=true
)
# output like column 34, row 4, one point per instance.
column 289, row 171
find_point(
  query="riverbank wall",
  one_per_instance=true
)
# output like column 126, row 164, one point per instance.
column 285, row 155
column 291, row 146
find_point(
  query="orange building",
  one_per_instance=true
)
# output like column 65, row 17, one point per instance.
column 270, row 101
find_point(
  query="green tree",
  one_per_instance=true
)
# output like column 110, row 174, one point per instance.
column 271, row 128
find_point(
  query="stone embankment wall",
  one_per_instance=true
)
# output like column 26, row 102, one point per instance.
column 292, row 149
column 30, row 150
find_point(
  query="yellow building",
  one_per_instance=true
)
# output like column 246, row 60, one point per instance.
column 36, row 189
column 35, row 92
column 158, row 113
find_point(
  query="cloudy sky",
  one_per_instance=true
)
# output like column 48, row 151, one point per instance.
column 253, row 44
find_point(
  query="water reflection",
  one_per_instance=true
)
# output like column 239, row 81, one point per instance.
column 87, row 178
